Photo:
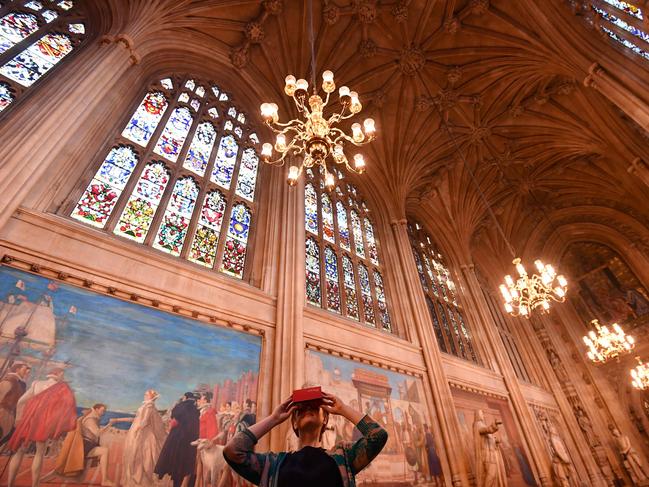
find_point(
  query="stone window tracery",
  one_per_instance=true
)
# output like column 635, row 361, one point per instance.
column 181, row 177
column 447, row 316
column 34, row 37
column 343, row 271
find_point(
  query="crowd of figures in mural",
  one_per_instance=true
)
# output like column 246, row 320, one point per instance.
column 396, row 402
column 98, row 391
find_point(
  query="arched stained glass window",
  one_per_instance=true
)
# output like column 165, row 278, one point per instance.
column 34, row 37
column 341, row 261
column 180, row 178
column 449, row 325
column 624, row 23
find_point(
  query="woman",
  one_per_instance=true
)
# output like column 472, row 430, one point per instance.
column 143, row 443
column 310, row 465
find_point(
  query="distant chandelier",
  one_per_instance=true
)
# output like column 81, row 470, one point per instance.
column 640, row 375
column 528, row 293
column 606, row 344
column 315, row 137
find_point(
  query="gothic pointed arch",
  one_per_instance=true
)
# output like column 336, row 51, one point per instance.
column 180, row 177
column 343, row 267
column 35, row 36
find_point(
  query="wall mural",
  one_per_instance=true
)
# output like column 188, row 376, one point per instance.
column 396, row 401
column 517, row 467
column 96, row 390
column 607, row 288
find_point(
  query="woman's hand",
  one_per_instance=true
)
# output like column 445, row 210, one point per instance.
column 334, row 405
column 283, row 411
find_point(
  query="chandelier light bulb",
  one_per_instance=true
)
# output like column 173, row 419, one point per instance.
column 329, row 181
column 280, row 143
column 357, row 133
column 302, row 84
column 293, row 173
column 640, row 375
column 368, row 124
column 290, row 86
column 520, row 269
column 267, row 150
column 359, row 163
column 509, row 280
column 562, row 281
column 313, row 137
column 539, row 265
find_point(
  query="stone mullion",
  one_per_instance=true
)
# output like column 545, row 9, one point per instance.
column 146, row 158
column 288, row 348
column 441, row 392
column 529, row 426
column 338, row 251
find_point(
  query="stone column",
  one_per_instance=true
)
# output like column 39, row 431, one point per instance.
column 443, row 400
column 529, row 427
column 288, row 347
column 599, row 79
column 57, row 114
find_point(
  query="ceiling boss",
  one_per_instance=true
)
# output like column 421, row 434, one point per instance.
column 313, row 139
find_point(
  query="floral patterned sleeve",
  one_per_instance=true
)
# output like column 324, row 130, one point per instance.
column 365, row 449
column 240, row 455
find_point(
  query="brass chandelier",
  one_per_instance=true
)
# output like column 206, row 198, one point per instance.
column 605, row 344
column 640, row 375
column 529, row 293
column 316, row 138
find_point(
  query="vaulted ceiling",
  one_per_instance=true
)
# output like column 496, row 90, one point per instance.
column 465, row 93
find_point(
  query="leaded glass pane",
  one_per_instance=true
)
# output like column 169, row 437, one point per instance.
column 327, row 218
column 456, row 332
column 351, row 301
column 174, row 134
column 206, row 238
column 234, row 253
column 436, row 328
column 358, row 234
column 384, row 316
column 310, row 209
column 66, row 4
column 371, row 242
column 140, row 209
column 28, row 66
column 34, row 5
column 366, row 294
column 343, row 227
column 14, row 27
column 77, row 28
column 175, row 222
column 331, row 278
column 146, row 118
column 446, row 328
column 101, row 195
column 200, row 149
column 247, row 175
column 6, row 96
column 49, row 15
column 226, row 158
column 313, row 294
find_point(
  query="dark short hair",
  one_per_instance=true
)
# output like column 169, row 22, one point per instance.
column 17, row 366
column 207, row 396
column 191, row 395
column 99, row 405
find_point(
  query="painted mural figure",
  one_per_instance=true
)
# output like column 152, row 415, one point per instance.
column 46, row 411
column 12, row 387
column 91, row 432
column 434, row 464
column 490, row 468
column 630, row 458
column 143, row 443
column 310, row 464
column 178, row 455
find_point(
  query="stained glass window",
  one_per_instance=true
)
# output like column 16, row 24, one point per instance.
column 174, row 180
column 446, row 313
column 623, row 23
column 313, row 294
column 175, row 221
column 34, row 39
column 337, row 261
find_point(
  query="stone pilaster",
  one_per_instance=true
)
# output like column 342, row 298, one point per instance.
column 443, row 400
